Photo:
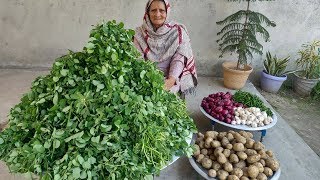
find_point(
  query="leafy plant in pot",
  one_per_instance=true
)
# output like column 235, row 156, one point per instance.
column 273, row 75
column 239, row 35
column 315, row 92
column 308, row 65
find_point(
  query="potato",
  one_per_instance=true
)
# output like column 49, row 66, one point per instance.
column 242, row 155
column 226, row 152
column 249, row 143
column 210, row 151
column 245, row 172
column 250, row 135
column 267, row 171
column 228, row 167
column 224, row 142
column 236, row 134
column 206, row 163
column 237, row 171
column 200, row 135
column 216, row 166
column 222, row 158
column 250, row 152
column 258, row 146
column 233, row 158
column 199, row 139
column 253, row 171
column 262, row 176
column 263, row 154
column 263, row 162
column 212, row 173
column 233, row 177
column 212, row 134
column 233, row 141
column 204, row 151
column 229, row 146
column 230, row 136
column 207, row 142
column 238, row 147
column 240, row 139
column 245, row 134
column 201, row 144
column 241, row 164
column 253, row 158
column 260, row 166
column 196, row 152
column 212, row 157
column 232, row 151
column 269, row 153
column 199, row 158
column 222, row 175
column 221, row 135
column 272, row 164
column 215, row 144
column 217, row 151
column 244, row 178
column 242, row 133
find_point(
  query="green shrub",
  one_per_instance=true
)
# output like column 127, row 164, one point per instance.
column 240, row 31
column 315, row 92
column 309, row 61
column 276, row 66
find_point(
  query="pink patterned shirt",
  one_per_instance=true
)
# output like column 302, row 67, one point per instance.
column 173, row 68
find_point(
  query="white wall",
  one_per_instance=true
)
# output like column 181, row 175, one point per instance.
column 33, row 33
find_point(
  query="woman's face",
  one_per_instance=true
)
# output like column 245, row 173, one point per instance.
column 157, row 13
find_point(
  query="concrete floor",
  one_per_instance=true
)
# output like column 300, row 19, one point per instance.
column 298, row 161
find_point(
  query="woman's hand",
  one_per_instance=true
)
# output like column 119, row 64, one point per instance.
column 168, row 83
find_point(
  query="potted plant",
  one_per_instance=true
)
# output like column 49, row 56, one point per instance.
column 315, row 92
column 308, row 68
column 273, row 75
column 239, row 35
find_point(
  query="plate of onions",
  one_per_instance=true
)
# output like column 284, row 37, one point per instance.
column 221, row 108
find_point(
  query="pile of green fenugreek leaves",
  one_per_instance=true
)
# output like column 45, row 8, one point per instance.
column 100, row 114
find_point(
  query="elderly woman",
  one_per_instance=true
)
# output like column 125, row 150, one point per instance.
column 167, row 43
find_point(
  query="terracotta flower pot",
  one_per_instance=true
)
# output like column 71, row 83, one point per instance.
column 234, row 78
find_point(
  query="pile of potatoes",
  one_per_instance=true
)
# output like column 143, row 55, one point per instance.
column 234, row 155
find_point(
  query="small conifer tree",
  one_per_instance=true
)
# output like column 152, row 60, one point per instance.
column 239, row 33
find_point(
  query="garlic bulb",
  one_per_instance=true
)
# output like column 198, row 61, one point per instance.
column 251, row 116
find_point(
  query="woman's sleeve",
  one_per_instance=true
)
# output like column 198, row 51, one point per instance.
column 176, row 66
